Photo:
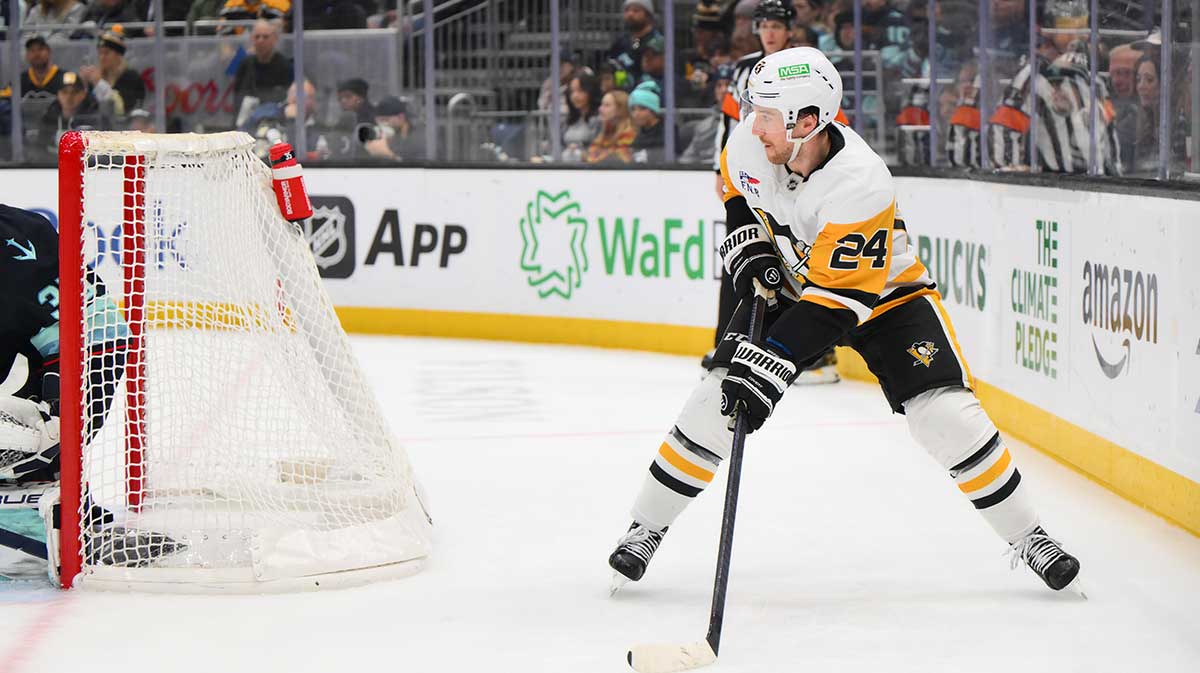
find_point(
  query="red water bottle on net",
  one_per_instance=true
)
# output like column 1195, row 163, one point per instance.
column 288, row 182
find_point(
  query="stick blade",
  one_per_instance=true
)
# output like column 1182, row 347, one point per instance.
column 670, row 657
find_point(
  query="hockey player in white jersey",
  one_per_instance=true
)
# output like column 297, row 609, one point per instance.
column 812, row 214
column 773, row 21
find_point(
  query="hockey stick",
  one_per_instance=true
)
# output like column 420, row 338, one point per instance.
column 673, row 657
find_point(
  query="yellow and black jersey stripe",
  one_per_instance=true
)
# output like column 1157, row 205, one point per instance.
column 849, row 263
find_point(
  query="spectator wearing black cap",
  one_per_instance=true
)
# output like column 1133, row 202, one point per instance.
column 42, row 77
column 43, row 16
column 353, row 99
column 113, row 80
column 74, row 108
column 626, row 50
column 400, row 138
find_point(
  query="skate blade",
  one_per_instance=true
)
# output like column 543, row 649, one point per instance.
column 618, row 581
column 1076, row 587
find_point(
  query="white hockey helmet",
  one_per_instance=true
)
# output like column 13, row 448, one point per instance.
column 793, row 80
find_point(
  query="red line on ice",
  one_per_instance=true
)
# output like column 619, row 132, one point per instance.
column 28, row 640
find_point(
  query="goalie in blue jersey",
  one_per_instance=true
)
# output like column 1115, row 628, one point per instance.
column 29, row 416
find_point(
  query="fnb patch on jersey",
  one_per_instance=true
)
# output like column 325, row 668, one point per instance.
column 749, row 182
column 797, row 70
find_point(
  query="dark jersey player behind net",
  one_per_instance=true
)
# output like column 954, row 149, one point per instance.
column 820, row 226
column 29, row 418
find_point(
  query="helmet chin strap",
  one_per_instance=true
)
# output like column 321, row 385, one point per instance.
column 797, row 143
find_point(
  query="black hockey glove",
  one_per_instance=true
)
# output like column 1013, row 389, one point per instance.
column 757, row 378
column 748, row 253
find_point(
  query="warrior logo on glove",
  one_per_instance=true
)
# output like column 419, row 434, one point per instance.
column 748, row 254
column 756, row 381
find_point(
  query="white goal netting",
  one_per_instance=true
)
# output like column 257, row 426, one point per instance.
column 227, row 437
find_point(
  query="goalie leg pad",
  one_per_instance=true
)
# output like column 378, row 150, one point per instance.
column 51, row 515
column 950, row 424
column 29, row 439
column 688, row 458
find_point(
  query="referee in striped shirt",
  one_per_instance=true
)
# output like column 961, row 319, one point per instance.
column 1061, row 99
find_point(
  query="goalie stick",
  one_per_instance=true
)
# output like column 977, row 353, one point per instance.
column 673, row 657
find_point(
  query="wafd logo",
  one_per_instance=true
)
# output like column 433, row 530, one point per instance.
column 553, row 231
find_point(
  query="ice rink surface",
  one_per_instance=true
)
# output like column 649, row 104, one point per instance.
column 854, row 551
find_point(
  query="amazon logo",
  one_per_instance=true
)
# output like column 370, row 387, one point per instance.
column 1122, row 306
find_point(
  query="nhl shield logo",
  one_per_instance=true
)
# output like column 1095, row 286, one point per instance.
column 923, row 351
column 326, row 234
column 330, row 235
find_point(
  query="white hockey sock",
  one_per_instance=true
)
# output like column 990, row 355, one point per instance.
column 990, row 479
column 688, row 458
column 954, row 429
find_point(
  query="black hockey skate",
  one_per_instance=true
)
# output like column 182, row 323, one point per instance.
column 1045, row 556
column 633, row 554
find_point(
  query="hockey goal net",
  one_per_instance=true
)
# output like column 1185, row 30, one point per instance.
column 217, row 431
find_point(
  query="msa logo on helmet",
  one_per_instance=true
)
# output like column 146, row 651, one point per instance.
column 749, row 182
column 793, row 71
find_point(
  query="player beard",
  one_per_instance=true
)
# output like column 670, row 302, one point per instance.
column 778, row 154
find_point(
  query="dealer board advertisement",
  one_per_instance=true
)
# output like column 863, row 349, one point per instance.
column 1090, row 300
column 1085, row 304
column 552, row 243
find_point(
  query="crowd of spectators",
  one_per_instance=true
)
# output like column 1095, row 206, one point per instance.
column 897, row 62
column 722, row 33
column 613, row 101
column 103, row 90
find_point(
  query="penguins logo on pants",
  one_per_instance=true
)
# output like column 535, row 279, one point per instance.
column 923, row 351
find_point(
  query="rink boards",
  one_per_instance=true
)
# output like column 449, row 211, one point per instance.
column 1077, row 310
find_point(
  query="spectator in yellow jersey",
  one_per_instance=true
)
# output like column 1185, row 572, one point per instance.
column 42, row 77
column 255, row 9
